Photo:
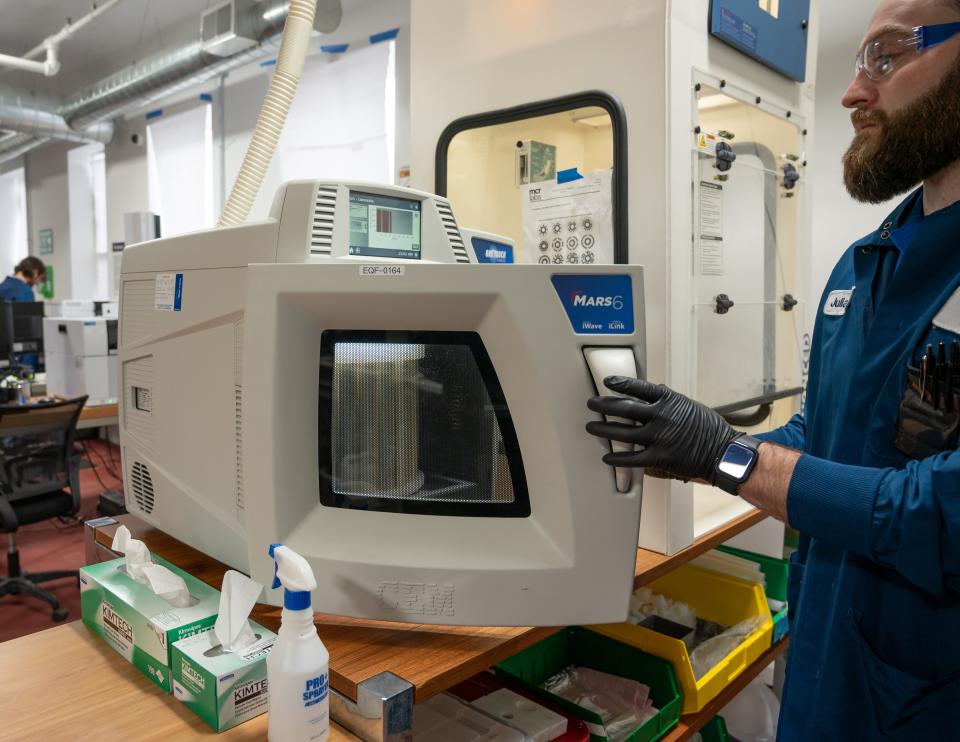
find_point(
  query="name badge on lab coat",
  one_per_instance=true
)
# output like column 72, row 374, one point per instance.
column 837, row 302
column 948, row 318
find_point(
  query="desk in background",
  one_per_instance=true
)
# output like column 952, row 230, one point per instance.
column 66, row 684
column 99, row 416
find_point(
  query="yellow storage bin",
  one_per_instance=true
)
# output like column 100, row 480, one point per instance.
column 714, row 597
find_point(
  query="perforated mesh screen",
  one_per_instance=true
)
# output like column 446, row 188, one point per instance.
column 415, row 423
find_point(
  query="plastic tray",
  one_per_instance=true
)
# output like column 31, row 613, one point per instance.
column 444, row 718
column 485, row 682
column 714, row 597
column 776, row 571
column 582, row 648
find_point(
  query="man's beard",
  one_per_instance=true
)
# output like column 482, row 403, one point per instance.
column 907, row 146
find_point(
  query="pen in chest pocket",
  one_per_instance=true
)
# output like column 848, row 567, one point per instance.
column 951, row 370
column 941, row 372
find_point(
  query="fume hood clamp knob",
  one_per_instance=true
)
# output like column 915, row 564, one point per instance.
column 725, row 157
column 724, row 303
column 789, row 302
column 790, row 175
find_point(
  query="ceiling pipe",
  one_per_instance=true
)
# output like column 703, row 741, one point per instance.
column 50, row 66
column 69, row 29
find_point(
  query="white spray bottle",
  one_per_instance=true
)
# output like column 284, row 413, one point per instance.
column 297, row 666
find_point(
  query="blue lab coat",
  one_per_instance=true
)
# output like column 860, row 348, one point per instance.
column 13, row 289
column 874, row 587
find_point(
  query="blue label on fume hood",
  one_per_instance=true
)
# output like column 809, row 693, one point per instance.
column 178, row 293
column 491, row 252
column 738, row 30
column 597, row 304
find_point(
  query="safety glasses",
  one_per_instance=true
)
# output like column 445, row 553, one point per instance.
column 883, row 55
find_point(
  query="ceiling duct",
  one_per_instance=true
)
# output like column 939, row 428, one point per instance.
column 39, row 123
column 157, row 77
column 18, row 144
column 170, row 72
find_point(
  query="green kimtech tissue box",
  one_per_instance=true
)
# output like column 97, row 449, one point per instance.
column 223, row 688
column 139, row 624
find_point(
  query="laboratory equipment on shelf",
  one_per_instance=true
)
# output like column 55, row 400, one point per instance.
column 80, row 354
column 408, row 421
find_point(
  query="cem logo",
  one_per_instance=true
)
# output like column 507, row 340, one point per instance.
column 580, row 298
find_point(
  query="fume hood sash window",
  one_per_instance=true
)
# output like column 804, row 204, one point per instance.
column 416, row 422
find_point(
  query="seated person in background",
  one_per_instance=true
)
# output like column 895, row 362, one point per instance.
column 19, row 287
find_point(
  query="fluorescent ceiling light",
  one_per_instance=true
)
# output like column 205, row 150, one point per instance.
column 592, row 119
column 718, row 100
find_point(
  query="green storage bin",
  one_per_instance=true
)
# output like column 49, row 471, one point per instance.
column 583, row 648
column 715, row 730
column 776, row 572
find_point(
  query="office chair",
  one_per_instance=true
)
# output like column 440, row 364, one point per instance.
column 37, row 464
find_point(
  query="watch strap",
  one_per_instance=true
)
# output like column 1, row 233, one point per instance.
column 728, row 483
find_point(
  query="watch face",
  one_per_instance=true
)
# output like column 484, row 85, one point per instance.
column 736, row 461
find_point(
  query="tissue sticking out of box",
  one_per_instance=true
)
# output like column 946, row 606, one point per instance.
column 237, row 597
column 158, row 578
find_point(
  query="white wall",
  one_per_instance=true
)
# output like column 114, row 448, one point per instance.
column 127, row 183
column 47, row 207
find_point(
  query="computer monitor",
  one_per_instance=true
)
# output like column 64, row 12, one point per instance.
column 21, row 331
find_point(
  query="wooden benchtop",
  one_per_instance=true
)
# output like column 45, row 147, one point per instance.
column 99, row 411
column 62, row 684
column 431, row 658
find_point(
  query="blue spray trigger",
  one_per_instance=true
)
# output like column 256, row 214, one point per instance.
column 276, row 580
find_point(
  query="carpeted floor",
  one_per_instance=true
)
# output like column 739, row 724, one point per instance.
column 53, row 545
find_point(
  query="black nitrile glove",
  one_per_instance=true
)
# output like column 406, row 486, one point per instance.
column 680, row 438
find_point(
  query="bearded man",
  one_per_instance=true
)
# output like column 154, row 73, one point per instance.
column 869, row 474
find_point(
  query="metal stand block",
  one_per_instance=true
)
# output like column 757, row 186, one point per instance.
column 383, row 711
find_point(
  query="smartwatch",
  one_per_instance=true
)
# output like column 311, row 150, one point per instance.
column 736, row 463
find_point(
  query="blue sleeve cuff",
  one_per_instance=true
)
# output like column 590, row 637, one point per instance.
column 791, row 435
column 834, row 502
column 779, row 436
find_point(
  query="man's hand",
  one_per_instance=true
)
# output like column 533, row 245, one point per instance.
column 680, row 437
